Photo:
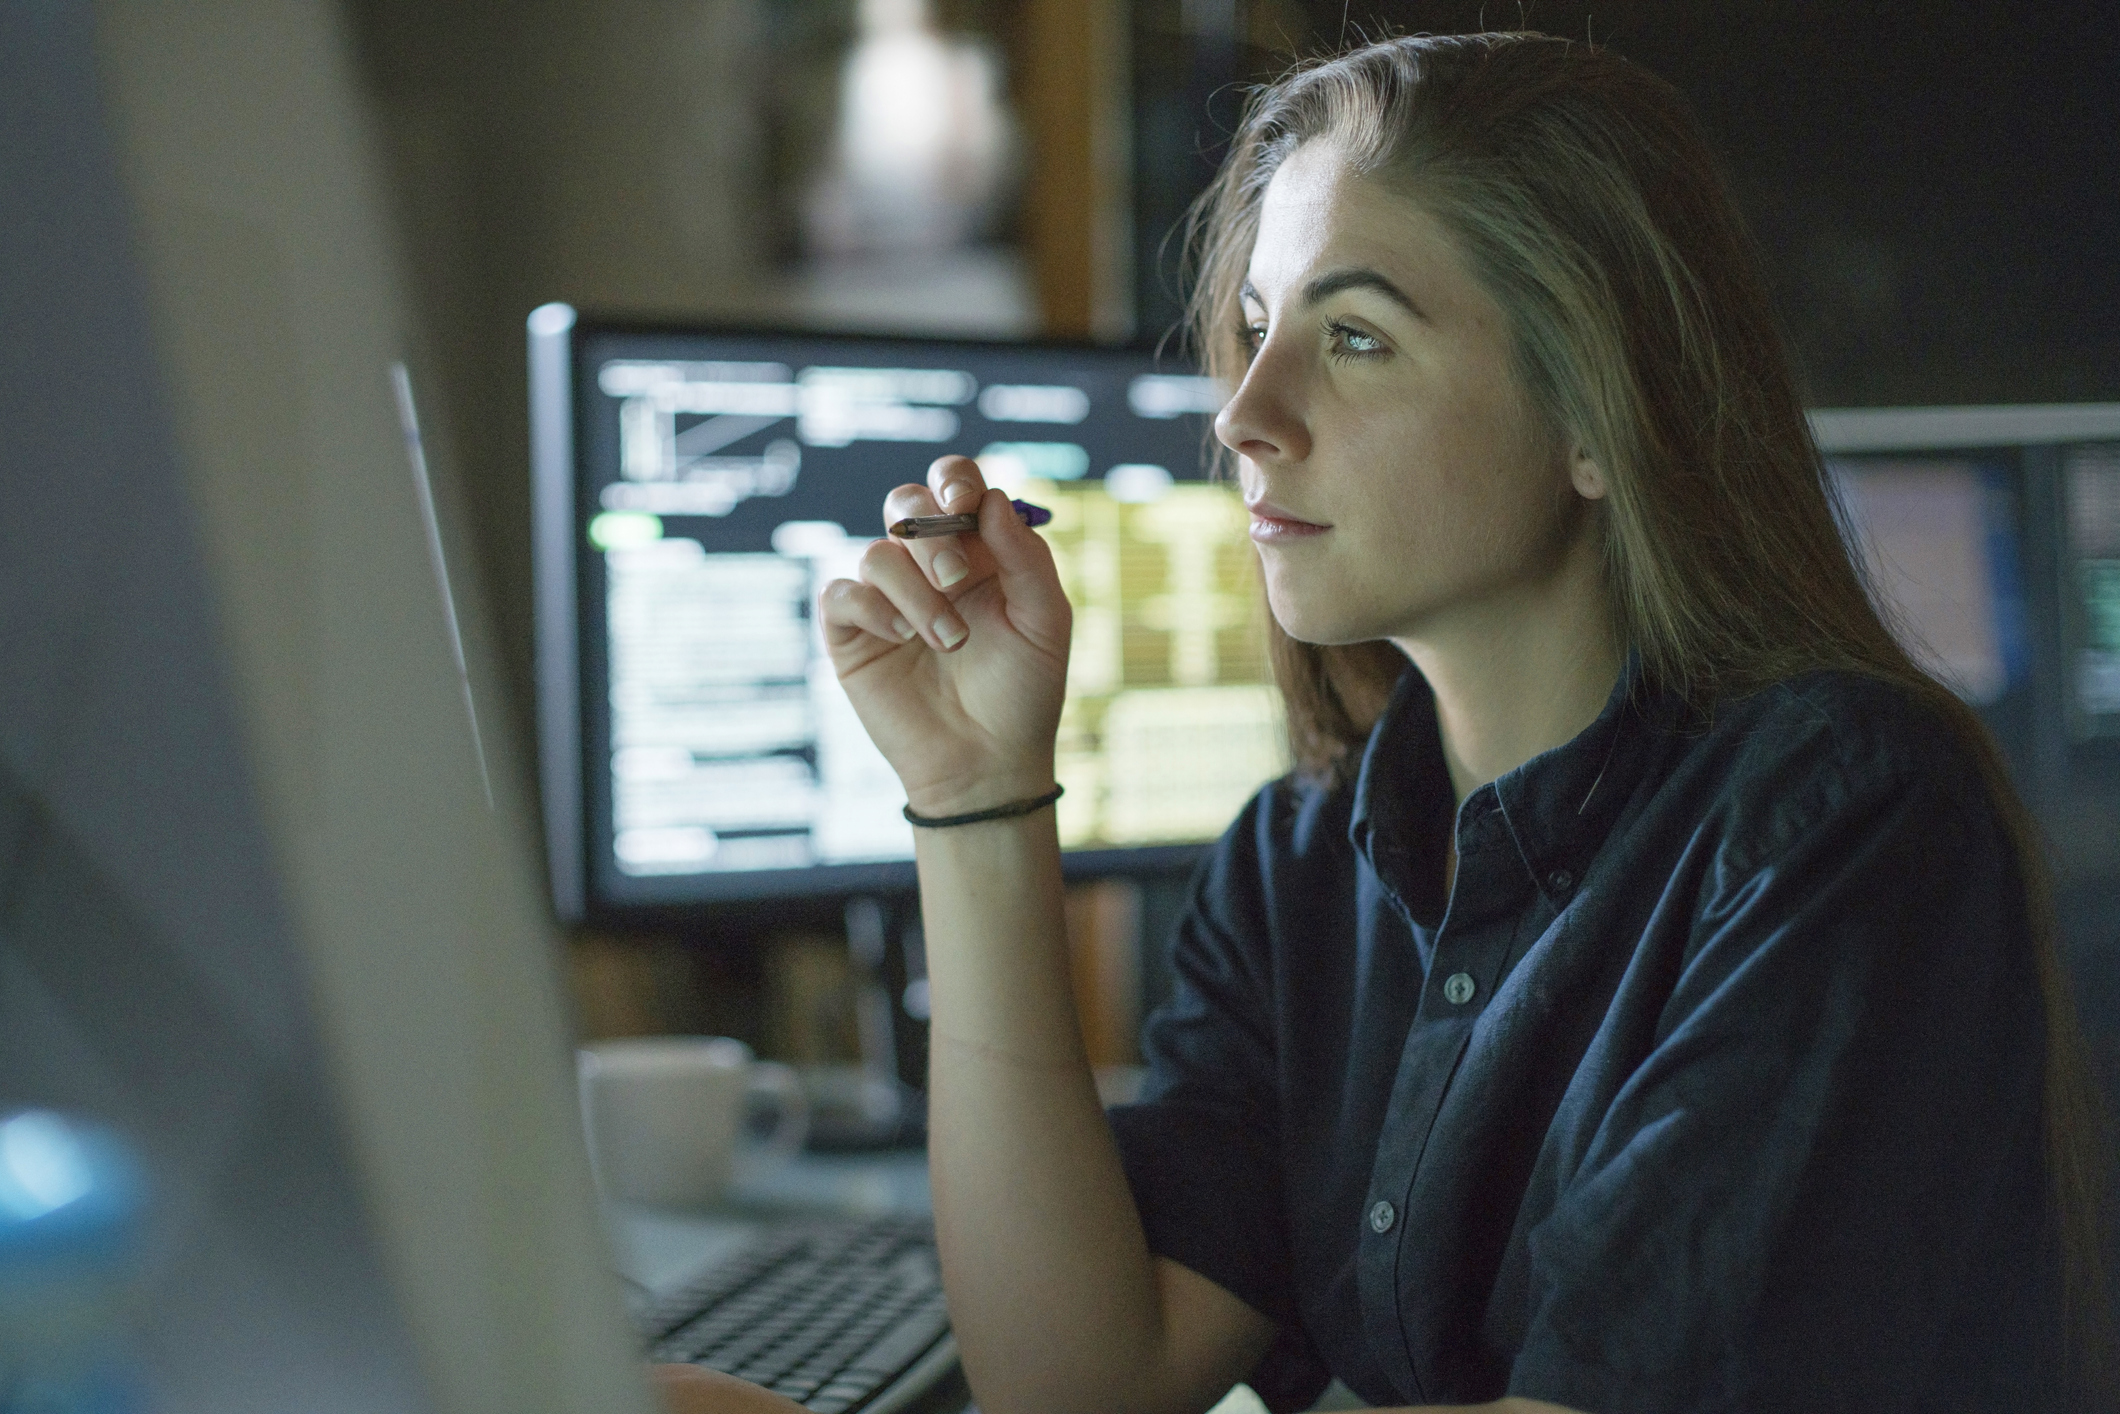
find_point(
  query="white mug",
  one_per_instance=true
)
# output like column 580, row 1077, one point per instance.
column 664, row 1115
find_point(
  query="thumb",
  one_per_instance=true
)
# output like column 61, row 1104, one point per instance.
column 1022, row 560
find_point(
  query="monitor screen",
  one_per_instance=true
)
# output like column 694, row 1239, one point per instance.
column 2091, row 596
column 697, row 489
column 1938, row 538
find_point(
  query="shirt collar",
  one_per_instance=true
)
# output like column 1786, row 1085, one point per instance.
column 1562, row 804
column 1559, row 806
column 1403, row 805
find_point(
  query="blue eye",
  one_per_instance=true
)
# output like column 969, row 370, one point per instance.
column 1350, row 342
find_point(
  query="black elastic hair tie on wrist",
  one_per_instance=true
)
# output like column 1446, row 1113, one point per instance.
column 999, row 812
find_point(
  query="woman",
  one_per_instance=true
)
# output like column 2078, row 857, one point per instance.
column 1640, row 995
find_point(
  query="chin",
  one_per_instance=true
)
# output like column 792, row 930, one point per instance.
column 1324, row 620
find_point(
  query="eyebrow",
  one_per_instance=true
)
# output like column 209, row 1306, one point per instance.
column 1334, row 281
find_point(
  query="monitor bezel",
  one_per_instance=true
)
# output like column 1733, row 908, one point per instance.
column 559, row 388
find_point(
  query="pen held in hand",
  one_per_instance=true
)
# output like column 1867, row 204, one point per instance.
column 924, row 527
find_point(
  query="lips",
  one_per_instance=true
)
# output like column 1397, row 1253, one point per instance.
column 1272, row 524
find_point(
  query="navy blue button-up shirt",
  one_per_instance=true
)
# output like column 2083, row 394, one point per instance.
column 1713, row 1083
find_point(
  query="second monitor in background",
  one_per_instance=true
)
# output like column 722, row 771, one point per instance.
column 695, row 491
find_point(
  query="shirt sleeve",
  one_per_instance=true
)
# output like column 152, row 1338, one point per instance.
column 1202, row 1148
column 1843, row 1097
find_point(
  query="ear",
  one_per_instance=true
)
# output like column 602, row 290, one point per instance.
column 1586, row 476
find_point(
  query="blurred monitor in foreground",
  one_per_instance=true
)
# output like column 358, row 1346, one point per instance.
column 264, row 919
column 695, row 490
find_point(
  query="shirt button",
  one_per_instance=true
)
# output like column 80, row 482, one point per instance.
column 1560, row 881
column 1381, row 1216
column 1458, row 988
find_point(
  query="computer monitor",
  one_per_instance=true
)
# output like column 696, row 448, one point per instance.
column 263, row 917
column 1939, row 538
column 697, row 487
column 1992, row 537
column 2091, row 597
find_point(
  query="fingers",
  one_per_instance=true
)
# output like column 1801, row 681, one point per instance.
column 946, row 560
column 958, row 486
column 892, row 601
column 1020, row 556
column 957, row 483
column 850, row 609
column 905, row 588
column 889, row 566
column 954, row 486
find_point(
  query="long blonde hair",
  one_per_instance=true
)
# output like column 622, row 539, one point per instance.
column 1585, row 199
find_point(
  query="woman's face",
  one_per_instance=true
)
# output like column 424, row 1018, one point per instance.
column 1401, row 485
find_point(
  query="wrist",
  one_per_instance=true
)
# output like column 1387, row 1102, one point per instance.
column 1013, row 810
column 983, row 793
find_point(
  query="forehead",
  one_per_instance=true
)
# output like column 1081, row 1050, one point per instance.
column 1320, row 214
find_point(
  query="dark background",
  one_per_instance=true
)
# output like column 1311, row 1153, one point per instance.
column 1932, row 185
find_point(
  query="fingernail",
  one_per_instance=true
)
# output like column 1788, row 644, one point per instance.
column 949, row 568
column 903, row 629
column 950, row 630
column 955, row 491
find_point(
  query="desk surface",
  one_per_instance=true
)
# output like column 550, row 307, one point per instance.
column 659, row 1247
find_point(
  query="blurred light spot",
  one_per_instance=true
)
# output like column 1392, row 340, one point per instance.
column 1165, row 395
column 549, row 319
column 651, row 763
column 923, row 148
column 622, row 530
column 1049, row 461
column 42, row 1165
column 1026, row 402
column 680, row 849
column 809, row 539
column 1137, row 482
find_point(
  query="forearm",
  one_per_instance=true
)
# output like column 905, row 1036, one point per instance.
column 954, row 653
column 1052, row 1290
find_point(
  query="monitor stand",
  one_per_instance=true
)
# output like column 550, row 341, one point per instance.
column 870, row 1105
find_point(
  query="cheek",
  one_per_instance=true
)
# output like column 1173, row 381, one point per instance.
column 1469, row 494
column 1433, row 483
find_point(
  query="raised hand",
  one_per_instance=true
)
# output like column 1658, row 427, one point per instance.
column 954, row 650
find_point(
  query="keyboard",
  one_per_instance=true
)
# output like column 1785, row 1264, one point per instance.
column 837, row 1315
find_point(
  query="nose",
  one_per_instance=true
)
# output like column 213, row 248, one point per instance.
column 1263, row 421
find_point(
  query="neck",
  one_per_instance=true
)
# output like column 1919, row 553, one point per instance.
column 1520, row 673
